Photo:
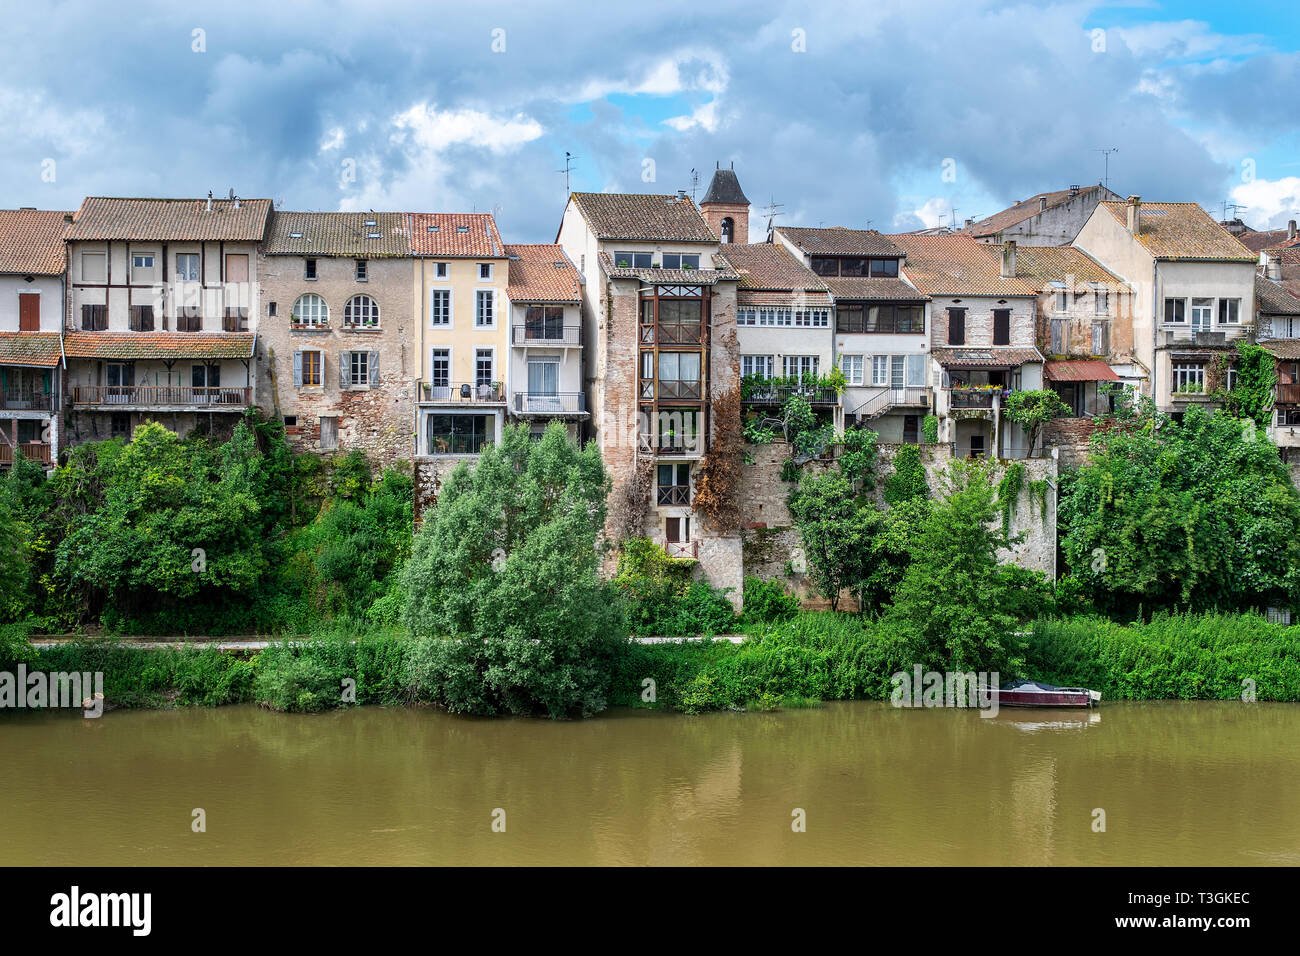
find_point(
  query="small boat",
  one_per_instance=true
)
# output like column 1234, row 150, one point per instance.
column 1033, row 693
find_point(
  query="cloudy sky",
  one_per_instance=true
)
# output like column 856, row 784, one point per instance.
column 885, row 114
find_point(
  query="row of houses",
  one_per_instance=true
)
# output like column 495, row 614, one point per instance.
column 418, row 336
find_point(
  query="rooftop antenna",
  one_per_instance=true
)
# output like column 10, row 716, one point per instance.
column 568, row 168
column 772, row 210
column 1236, row 208
column 953, row 214
column 1105, row 181
column 695, row 183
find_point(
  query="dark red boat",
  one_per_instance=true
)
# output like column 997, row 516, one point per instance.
column 1032, row 693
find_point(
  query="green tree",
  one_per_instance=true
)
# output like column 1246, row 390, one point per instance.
column 836, row 526
column 503, row 586
column 907, row 481
column 950, row 604
column 1032, row 410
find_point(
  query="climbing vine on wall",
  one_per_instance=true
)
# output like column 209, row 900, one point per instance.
column 1009, row 488
column 717, row 487
column 1251, row 396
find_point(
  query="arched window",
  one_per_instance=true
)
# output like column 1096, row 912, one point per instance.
column 361, row 312
column 310, row 310
column 728, row 229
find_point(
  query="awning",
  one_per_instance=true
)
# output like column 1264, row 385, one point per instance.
column 1089, row 370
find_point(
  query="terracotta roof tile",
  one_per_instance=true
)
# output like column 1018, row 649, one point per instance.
column 1268, row 239
column 643, row 217
column 1182, row 230
column 853, row 287
column 957, row 265
column 1286, row 349
column 542, row 273
column 158, row 345
column 1076, row 370
column 31, row 242
column 672, row 276
column 765, row 265
column 469, row 235
column 1025, row 209
column 795, row 299
column 1273, row 298
column 40, row 349
column 1042, row 265
column 367, row 235
column 985, row 358
column 840, row 241
column 170, row 220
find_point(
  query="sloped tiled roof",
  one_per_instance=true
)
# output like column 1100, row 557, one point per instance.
column 643, row 217
column 470, row 235
column 158, row 345
column 724, row 187
column 1078, row 370
column 1181, row 230
column 853, row 287
column 39, row 349
column 542, row 273
column 367, row 235
column 722, row 271
column 790, row 298
column 840, row 241
column 985, row 358
column 1267, row 239
column 765, row 265
column 1286, row 349
column 1025, row 209
column 1041, row 265
column 31, row 242
column 170, row 220
column 957, row 265
column 1272, row 298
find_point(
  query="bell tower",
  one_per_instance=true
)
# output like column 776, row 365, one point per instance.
column 725, row 207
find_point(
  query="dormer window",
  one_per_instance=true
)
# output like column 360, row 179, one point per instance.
column 632, row 260
column 485, row 271
column 433, row 228
column 370, row 222
column 295, row 235
column 674, row 260
column 462, row 228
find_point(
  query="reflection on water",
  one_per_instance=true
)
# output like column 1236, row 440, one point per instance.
column 1180, row 782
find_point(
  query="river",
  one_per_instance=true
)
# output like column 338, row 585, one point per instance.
column 1193, row 783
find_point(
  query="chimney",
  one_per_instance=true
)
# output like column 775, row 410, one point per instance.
column 969, row 223
column 1290, row 229
column 1273, row 269
column 1074, row 189
column 236, row 198
column 1009, row 259
column 1134, row 204
column 209, row 200
column 1042, row 204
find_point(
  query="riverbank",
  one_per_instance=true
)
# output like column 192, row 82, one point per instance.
column 808, row 658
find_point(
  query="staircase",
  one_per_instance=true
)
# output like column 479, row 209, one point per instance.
column 885, row 399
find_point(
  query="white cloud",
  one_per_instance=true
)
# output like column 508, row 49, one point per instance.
column 705, row 117
column 1186, row 38
column 434, row 129
column 1269, row 203
column 935, row 212
column 685, row 70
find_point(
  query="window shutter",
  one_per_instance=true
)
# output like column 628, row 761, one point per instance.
column 956, row 326
column 345, row 364
column 915, row 371
column 1001, row 326
column 1058, row 337
column 373, row 365
column 297, row 369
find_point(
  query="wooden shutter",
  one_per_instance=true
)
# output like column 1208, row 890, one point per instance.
column 236, row 268
column 372, row 367
column 1001, row 326
column 956, row 326
column 1100, row 338
column 1058, row 337
column 345, row 367
column 29, row 312
column 297, row 368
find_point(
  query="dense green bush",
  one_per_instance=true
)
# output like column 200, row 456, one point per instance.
column 661, row 599
column 767, row 600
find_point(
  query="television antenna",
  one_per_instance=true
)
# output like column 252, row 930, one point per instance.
column 771, row 211
column 695, row 183
column 568, row 168
column 1105, row 180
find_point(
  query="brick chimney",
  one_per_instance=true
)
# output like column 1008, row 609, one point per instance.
column 1009, row 259
column 1134, row 204
column 1290, row 229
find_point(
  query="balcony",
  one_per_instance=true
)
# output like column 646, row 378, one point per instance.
column 974, row 397
column 688, row 333
column 24, row 399
column 1288, row 393
column 673, row 389
column 545, row 335
column 234, row 398
column 561, row 403
column 674, row 495
column 31, row 450
column 777, row 394
column 682, row 549
column 463, row 393
column 670, row 445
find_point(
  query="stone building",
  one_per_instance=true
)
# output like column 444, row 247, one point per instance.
column 725, row 207
column 1277, row 298
column 31, row 309
column 161, row 295
column 1048, row 219
column 334, row 349
column 659, row 350
column 982, row 333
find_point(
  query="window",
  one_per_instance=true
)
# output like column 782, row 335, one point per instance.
column 484, row 359
column 120, row 378
column 1201, row 311
column 440, row 270
column 142, row 262
column 484, row 271
column 851, row 366
column 440, row 308
column 459, row 434
column 204, row 377
column 483, row 317
column 329, row 433
column 677, row 431
column 120, row 425
column 756, row 365
column 728, row 229
column 674, row 484
column 270, row 309
column 800, row 366
column 93, row 266
column 187, row 267
column 310, row 269
column 308, row 368
column 677, row 530
column 956, row 326
column 543, row 378
column 898, row 371
column 904, row 319
column 673, row 260
column 1061, row 300
column 680, row 321
column 826, row 265
column 358, row 369
column 911, row 429
column 310, row 311
column 679, row 374
column 1231, row 377
column 1001, row 326
column 290, row 421
column 1175, row 310
column 1229, row 311
column 361, row 270
column 884, row 268
column 29, row 312
column 440, row 368
column 977, row 446
column 1189, row 377
column 632, row 260
column 1100, row 300
column 361, row 312
column 545, row 322
column 236, row 268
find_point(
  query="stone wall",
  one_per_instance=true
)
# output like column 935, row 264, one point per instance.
column 1071, row 436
